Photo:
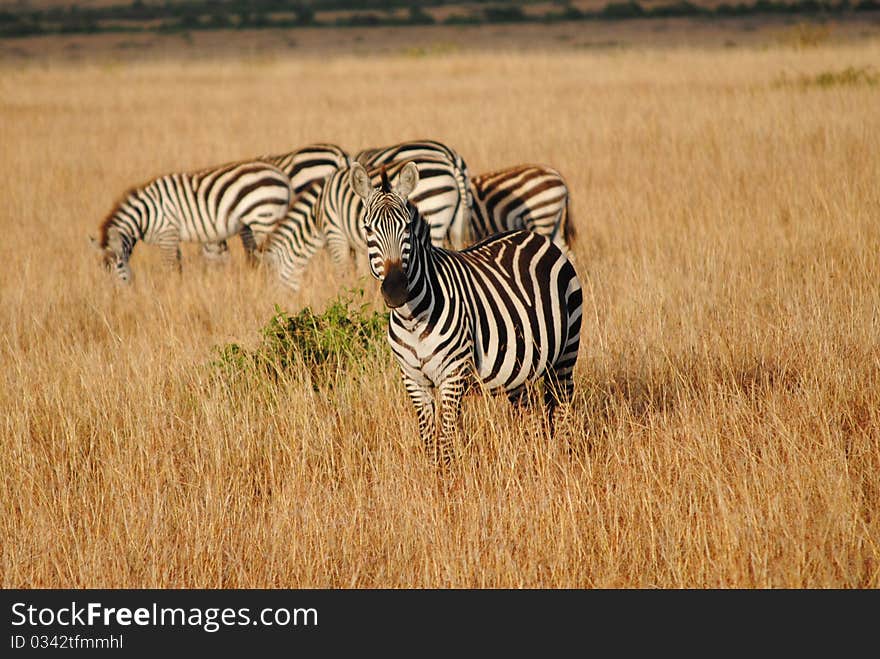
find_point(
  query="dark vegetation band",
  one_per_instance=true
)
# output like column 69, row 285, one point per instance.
column 139, row 16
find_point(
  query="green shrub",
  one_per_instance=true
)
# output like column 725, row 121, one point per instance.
column 326, row 344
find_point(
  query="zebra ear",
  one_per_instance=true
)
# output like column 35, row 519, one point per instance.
column 95, row 244
column 407, row 179
column 360, row 181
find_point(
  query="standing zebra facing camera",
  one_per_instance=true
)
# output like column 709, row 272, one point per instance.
column 456, row 234
column 305, row 166
column 504, row 312
column 436, row 194
column 210, row 205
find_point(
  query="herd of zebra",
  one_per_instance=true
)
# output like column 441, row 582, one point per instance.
column 477, row 271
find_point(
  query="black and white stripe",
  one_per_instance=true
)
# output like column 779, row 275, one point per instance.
column 206, row 206
column 455, row 235
column 310, row 163
column 295, row 239
column 443, row 198
column 504, row 312
column 437, row 196
column 303, row 167
column 532, row 197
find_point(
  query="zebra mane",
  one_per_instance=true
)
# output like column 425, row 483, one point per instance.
column 386, row 184
column 108, row 221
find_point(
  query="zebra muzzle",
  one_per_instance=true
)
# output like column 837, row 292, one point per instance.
column 394, row 285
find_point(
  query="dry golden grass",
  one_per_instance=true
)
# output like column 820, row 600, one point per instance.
column 726, row 431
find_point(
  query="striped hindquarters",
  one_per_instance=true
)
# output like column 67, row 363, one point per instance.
column 225, row 199
column 531, row 197
column 304, row 166
column 374, row 157
column 525, row 303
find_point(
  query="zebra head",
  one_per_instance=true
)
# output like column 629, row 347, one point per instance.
column 115, row 251
column 388, row 228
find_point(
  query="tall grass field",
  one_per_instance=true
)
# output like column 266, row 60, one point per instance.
column 725, row 431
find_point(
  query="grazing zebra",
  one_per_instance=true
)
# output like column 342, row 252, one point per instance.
column 457, row 231
column 310, row 163
column 530, row 197
column 295, row 239
column 503, row 312
column 206, row 206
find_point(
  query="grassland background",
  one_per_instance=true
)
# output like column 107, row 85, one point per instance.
column 726, row 430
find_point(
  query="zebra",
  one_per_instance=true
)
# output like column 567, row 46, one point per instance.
column 436, row 195
column 503, row 312
column 373, row 158
column 307, row 164
column 532, row 197
column 327, row 213
column 298, row 236
column 205, row 206
column 295, row 239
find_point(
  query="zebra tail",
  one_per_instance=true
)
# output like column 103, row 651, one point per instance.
column 569, row 233
column 462, row 216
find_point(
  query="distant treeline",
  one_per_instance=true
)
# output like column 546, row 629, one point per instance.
column 139, row 16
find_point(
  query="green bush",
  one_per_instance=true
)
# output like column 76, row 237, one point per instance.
column 326, row 344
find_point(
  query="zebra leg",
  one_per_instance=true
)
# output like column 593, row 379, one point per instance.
column 340, row 252
column 558, row 389
column 169, row 246
column 249, row 243
column 559, row 378
column 215, row 252
column 451, row 392
column 523, row 400
column 423, row 400
column 518, row 397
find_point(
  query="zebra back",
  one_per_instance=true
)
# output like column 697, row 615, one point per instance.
column 310, row 163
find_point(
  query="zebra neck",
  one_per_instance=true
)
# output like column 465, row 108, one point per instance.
column 136, row 213
column 126, row 227
column 128, row 233
column 424, row 287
